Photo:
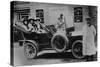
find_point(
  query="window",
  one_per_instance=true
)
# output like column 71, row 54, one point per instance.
column 40, row 14
column 24, row 13
column 78, row 15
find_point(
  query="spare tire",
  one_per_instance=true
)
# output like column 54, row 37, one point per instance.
column 59, row 43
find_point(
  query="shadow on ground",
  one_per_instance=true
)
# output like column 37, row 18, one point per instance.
column 56, row 56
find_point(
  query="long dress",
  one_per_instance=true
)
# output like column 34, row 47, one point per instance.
column 89, row 47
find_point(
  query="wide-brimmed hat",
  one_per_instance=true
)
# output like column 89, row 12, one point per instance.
column 88, row 18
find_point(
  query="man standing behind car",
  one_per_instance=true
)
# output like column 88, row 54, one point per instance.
column 61, row 23
column 89, row 47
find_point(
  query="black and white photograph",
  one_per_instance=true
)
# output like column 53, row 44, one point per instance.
column 52, row 33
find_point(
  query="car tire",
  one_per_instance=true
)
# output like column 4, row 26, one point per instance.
column 59, row 43
column 77, row 49
column 30, row 50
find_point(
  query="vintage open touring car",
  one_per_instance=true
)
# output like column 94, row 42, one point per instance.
column 60, row 41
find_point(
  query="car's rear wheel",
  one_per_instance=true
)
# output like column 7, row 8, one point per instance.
column 30, row 50
column 77, row 49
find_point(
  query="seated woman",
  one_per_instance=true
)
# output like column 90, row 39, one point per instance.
column 26, row 25
column 40, row 26
column 22, row 24
column 32, row 26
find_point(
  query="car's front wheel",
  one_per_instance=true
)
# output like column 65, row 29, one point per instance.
column 77, row 49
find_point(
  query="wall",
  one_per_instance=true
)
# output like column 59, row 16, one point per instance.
column 52, row 12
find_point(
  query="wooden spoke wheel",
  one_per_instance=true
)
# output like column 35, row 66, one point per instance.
column 77, row 49
column 30, row 50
